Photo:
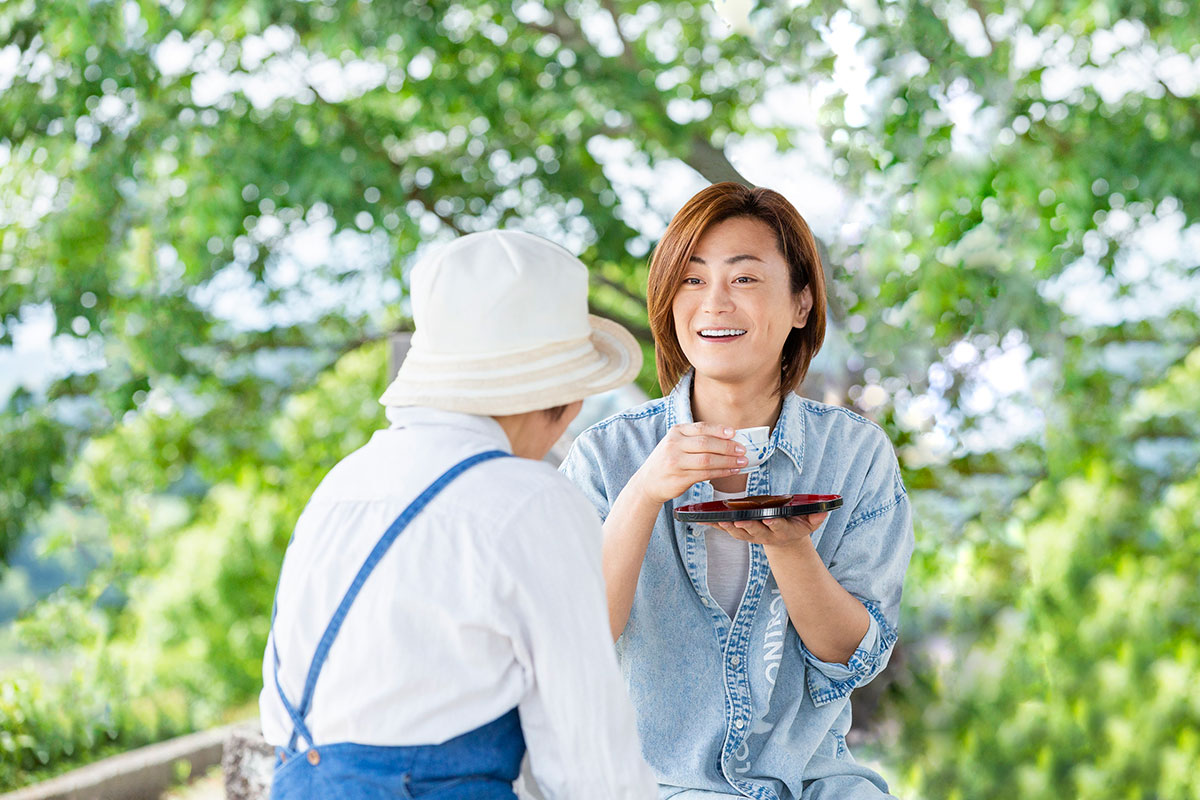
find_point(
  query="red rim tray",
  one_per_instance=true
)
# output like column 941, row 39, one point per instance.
column 717, row 511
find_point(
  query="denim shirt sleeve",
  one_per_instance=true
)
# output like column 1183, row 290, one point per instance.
column 869, row 563
column 582, row 467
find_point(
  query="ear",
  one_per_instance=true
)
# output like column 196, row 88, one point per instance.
column 803, row 303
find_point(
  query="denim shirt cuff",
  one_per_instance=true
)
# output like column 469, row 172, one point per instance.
column 828, row 681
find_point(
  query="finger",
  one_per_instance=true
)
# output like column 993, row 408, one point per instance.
column 738, row 533
column 705, row 429
column 753, row 528
column 711, row 444
column 810, row 522
column 718, row 464
column 792, row 527
column 787, row 527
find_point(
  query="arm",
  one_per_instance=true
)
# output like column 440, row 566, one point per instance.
column 689, row 453
column 846, row 614
column 626, row 536
column 576, row 717
column 831, row 622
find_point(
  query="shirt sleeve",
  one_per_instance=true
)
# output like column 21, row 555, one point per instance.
column 577, row 718
column 870, row 563
column 582, row 467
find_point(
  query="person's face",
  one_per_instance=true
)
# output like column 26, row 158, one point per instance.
column 734, row 307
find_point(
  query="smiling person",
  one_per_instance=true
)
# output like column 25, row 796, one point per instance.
column 741, row 643
column 441, row 604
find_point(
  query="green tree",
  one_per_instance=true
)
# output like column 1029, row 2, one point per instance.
column 1052, row 592
column 218, row 202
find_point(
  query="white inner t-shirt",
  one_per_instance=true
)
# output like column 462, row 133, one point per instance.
column 728, row 563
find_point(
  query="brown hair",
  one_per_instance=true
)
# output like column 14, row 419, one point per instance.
column 556, row 413
column 796, row 244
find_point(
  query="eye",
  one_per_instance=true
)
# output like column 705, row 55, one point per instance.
column 744, row 279
column 691, row 281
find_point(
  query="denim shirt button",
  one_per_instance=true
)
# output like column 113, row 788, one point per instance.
column 739, row 724
column 734, row 661
column 704, row 600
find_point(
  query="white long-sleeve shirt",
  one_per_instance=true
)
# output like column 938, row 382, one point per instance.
column 491, row 598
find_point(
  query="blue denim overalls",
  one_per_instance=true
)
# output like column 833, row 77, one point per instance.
column 478, row 765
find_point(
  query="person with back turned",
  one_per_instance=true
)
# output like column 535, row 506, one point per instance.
column 441, row 607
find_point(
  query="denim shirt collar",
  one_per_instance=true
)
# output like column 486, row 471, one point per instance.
column 787, row 436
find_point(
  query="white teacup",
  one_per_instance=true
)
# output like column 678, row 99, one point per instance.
column 756, row 442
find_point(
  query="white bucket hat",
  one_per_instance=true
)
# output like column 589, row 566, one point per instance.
column 502, row 327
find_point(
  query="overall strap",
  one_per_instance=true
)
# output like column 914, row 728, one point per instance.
column 300, row 712
column 298, row 726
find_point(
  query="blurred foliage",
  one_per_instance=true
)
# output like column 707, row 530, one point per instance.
column 1076, row 631
column 218, row 201
column 187, row 643
column 41, row 735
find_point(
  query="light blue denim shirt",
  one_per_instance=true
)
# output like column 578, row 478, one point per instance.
column 741, row 706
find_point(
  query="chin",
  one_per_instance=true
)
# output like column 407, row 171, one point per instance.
column 731, row 369
column 724, row 373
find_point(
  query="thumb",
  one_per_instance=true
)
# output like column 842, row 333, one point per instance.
column 814, row 521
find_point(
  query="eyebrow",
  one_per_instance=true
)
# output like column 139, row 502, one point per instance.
column 731, row 259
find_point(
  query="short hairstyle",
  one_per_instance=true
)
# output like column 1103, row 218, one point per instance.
column 796, row 244
column 555, row 413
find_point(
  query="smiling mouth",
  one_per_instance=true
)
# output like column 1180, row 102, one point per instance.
column 721, row 334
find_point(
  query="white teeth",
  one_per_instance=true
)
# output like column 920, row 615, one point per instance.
column 722, row 332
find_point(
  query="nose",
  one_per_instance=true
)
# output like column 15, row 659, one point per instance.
column 717, row 298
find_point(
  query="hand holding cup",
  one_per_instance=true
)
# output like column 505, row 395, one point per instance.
column 689, row 453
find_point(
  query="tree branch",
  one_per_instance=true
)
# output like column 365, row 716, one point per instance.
column 1192, row 107
column 626, row 49
column 706, row 159
column 415, row 193
column 420, row 197
column 711, row 162
column 565, row 29
column 977, row 7
column 640, row 332
column 617, row 286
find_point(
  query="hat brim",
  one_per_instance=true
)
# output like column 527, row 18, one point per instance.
column 514, row 383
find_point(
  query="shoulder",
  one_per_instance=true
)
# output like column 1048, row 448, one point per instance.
column 617, row 445
column 631, row 432
column 841, row 425
column 530, row 504
column 838, row 416
column 495, row 484
column 523, row 480
column 855, row 446
column 648, row 415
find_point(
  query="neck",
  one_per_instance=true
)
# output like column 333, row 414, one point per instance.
column 519, row 428
column 746, row 404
